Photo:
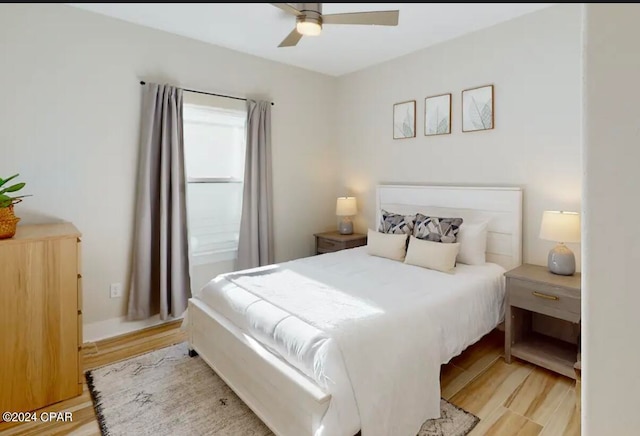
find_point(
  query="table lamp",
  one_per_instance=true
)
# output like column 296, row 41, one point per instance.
column 346, row 208
column 561, row 227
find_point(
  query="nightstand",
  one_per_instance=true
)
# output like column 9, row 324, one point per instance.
column 542, row 319
column 334, row 241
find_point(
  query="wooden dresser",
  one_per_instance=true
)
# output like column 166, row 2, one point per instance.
column 40, row 317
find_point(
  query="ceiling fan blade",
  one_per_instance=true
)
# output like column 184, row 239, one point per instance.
column 291, row 39
column 287, row 8
column 379, row 18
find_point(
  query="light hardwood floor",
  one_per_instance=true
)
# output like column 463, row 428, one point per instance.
column 517, row 399
column 96, row 354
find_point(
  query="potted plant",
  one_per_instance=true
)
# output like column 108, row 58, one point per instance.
column 8, row 220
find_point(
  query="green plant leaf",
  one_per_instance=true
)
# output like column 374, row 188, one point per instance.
column 14, row 188
column 20, row 196
column 9, row 179
column 5, row 200
column 9, row 201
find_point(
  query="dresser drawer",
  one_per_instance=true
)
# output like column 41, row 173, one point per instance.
column 327, row 245
column 80, row 303
column 542, row 298
column 80, row 330
column 81, row 378
column 79, row 255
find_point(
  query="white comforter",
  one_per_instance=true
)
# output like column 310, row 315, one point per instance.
column 369, row 330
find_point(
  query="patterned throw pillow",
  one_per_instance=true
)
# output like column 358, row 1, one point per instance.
column 396, row 223
column 436, row 229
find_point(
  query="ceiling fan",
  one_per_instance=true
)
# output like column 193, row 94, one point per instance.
column 309, row 20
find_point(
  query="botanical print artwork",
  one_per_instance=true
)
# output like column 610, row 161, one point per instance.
column 477, row 109
column 404, row 120
column 437, row 115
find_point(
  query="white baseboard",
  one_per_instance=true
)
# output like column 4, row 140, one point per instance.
column 108, row 328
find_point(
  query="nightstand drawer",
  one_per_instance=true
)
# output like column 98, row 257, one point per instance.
column 549, row 300
column 327, row 245
column 330, row 242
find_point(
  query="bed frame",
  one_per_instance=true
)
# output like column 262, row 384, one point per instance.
column 286, row 401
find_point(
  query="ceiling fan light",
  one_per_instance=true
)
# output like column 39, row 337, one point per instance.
column 308, row 28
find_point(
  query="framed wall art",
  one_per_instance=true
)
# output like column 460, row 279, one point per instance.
column 477, row 109
column 404, row 120
column 437, row 115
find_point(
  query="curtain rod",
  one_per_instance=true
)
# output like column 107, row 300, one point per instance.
column 142, row 82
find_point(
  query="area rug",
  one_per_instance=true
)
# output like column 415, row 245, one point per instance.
column 166, row 392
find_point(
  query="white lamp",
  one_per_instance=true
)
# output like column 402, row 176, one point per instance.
column 561, row 227
column 346, row 208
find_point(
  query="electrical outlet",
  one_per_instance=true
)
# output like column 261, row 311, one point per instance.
column 115, row 290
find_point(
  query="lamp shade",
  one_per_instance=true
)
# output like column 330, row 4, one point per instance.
column 560, row 226
column 308, row 28
column 346, row 206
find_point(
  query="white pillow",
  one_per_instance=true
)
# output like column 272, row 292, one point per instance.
column 473, row 243
column 433, row 255
column 389, row 245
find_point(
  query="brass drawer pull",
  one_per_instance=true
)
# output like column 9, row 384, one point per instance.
column 548, row 297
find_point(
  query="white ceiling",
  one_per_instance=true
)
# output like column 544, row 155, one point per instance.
column 258, row 28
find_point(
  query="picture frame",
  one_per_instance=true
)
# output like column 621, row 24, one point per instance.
column 404, row 120
column 478, row 109
column 437, row 115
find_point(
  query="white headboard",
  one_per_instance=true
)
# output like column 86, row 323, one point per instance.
column 502, row 207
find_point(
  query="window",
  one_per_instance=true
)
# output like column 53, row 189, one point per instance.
column 214, row 141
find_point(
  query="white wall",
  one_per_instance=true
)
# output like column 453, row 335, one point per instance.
column 534, row 64
column 69, row 117
column 69, row 123
column 611, row 293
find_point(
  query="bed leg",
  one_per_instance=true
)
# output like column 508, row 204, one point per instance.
column 192, row 352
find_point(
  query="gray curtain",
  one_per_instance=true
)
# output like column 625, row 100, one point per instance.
column 160, row 280
column 255, row 247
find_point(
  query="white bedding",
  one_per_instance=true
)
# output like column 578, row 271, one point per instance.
column 429, row 310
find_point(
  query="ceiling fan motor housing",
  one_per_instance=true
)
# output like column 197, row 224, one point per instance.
column 309, row 7
column 311, row 13
column 309, row 20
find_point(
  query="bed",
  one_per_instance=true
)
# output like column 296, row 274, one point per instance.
column 303, row 378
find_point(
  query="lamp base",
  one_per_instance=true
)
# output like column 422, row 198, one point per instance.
column 345, row 227
column 561, row 260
